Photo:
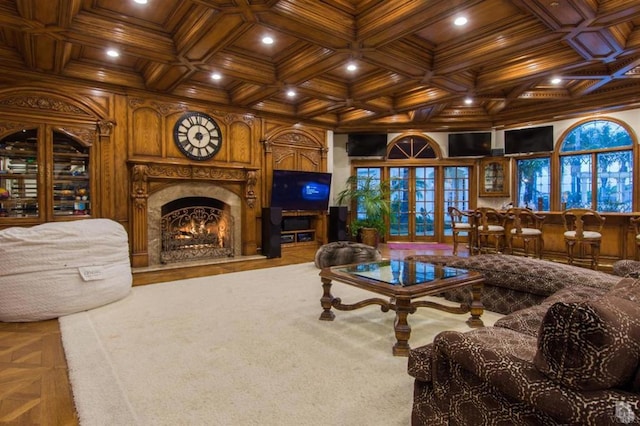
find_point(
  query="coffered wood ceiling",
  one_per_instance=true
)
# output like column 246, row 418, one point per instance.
column 415, row 68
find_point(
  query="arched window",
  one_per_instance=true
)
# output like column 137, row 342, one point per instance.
column 596, row 167
column 411, row 147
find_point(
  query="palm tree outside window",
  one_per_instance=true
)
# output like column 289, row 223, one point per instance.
column 596, row 167
column 534, row 183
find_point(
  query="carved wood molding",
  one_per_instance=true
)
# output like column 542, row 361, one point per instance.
column 6, row 127
column 88, row 136
column 48, row 103
column 139, row 188
column 143, row 171
column 106, row 127
column 296, row 139
column 85, row 134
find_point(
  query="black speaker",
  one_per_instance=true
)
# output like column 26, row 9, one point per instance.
column 271, row 226
column 338, row 224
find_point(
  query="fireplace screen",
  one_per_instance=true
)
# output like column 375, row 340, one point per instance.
column 196, row 232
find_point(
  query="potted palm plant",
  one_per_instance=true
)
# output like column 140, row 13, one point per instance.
column 370, row 196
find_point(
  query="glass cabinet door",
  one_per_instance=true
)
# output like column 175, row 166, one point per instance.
column 494, row 177
column 44, row 175
column 19, row 175
column 71, row 190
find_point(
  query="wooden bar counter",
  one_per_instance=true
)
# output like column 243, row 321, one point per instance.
column 618, row 237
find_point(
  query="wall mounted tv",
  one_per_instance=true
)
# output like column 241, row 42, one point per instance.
column 531, row 139
column 367, row 145
column 470, row 144
column 298, row 190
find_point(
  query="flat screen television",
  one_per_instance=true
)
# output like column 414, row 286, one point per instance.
column 530, row 139
column 367, row 145
column 470, row 144
column 298, row 190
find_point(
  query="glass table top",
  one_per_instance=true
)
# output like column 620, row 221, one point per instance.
column 402, row 272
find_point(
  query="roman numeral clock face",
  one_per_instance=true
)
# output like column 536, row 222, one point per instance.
column 197, row 135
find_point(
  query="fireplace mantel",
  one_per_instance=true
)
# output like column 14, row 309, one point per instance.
column 143, row 171
column 146, row 172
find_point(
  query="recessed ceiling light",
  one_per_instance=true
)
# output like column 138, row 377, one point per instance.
column 460, row 20
column 556, row 80
column 267, row 40
column 113, row 53
column 351, row 66
column 216, row 76
column 140, row 1
column 468, row 101
column 291, row 93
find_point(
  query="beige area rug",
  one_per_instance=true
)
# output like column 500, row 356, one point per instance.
column 243, row 348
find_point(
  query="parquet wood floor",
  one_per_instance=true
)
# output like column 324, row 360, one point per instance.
column 34, row 385
column 34, row 382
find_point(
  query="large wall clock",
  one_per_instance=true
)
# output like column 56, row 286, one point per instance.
column 197, row 135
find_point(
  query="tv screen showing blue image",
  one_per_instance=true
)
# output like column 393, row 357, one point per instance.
column 297, row 190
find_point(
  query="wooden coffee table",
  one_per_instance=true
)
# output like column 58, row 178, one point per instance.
column 402, row 281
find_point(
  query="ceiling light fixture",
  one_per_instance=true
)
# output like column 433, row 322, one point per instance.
column 351, row 66
column 291, row 93
column 113, row 53
column 140, row 1
column 216, row 76
column 267, row 40
column 468, row 101
column 556, row 80
column 460, row 21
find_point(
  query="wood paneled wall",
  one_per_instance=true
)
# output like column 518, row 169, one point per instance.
column 134, row 129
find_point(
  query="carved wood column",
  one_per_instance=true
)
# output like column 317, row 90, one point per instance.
column 106, row 179
column 139, row 196
column 249, row 237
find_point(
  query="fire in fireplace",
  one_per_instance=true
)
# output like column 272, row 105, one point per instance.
column 194, row 228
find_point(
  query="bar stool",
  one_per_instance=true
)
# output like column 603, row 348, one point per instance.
column 461, row 222
column 489, row 225
column 527, row 226
column 635, row 222
column 583, row 228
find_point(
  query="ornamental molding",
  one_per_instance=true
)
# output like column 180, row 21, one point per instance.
column 46, row 103
column 143, row 172
column 88, row 136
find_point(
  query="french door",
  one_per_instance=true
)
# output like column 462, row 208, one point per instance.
column 413, row 204
column 420, row 197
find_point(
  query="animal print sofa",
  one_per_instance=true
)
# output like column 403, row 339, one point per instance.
column 571, row 360
column 567, row 352
column 517, row 282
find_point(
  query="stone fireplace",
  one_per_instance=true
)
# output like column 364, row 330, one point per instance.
column 206, row 211
column 196, row 224
column 195, row 228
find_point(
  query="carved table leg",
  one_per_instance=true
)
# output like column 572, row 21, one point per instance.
column 477, row 308
column 403, row 331
column 326, row 301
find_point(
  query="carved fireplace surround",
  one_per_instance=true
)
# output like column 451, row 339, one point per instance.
column 153, row 184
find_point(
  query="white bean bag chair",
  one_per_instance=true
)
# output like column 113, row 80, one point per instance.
column 56, row 269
